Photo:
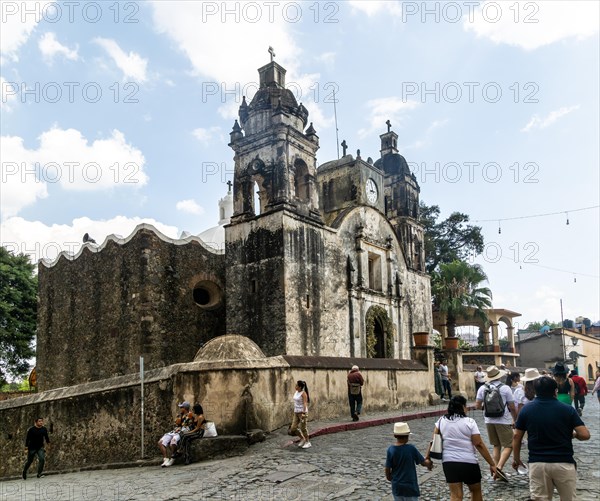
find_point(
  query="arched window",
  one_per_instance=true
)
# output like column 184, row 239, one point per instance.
column 301, row 184
column 257, row 201
column 590, row 372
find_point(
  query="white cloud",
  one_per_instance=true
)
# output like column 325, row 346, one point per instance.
column 66, row 158
column 373, row 7
column 42, row 241
column 327, row 57
column 9, row 92
column 530, row 25
column 383, row 109
column 19, row 185
column 17, row 27
column 190, row 206
column 541, row 123
column 205, row 136
column 259, row 27
column 50, row 47
column 132, row 65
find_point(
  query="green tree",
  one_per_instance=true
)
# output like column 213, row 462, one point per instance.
column 450, row 239
column 456, row 292
column 536, row 326
column 18, row 309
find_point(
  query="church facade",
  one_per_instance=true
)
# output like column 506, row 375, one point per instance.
column 324, row 261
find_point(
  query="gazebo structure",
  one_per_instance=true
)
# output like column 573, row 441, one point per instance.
column 490, row 353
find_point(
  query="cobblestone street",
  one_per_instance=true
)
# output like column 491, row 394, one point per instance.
column 343, row 466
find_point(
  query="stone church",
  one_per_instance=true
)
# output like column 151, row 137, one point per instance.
column 307, row 260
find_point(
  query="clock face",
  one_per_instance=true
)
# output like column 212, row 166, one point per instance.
column 371, row 190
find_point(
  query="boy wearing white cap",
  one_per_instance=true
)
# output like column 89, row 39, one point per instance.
column 400, row 465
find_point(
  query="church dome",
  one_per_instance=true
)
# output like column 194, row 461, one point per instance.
column 229, row 347
column 393, row 163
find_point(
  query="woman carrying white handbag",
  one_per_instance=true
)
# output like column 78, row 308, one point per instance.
column 460, row 439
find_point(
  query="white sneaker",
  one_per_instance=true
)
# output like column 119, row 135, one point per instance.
column 164, row 463
column 170, row 462
column 301, row 443
column 306, row 445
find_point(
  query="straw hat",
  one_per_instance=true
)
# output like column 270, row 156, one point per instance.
column 492, row 373
column 530, row 375
column 401, row 429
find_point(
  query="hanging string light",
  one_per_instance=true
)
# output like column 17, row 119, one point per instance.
column 567, row 218
column 499, row 228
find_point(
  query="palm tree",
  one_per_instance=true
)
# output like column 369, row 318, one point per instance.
column 456, row 293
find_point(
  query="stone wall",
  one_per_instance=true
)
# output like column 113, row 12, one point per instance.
column 103, row 309
column 99, row 422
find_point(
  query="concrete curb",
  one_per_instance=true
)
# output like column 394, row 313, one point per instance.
column 357, row 425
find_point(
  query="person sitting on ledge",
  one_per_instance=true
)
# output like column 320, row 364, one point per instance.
column 196, row 432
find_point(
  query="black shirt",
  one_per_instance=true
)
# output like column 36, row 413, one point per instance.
column 35, row 438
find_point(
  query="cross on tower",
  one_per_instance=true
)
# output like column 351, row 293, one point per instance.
column 344, row 147
column 272, row 53
column 229, row 186
column 389, row 125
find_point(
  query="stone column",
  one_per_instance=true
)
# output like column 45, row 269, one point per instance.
column 425, row 355
column 455, row 368
column 495, row 341
column 511, row 338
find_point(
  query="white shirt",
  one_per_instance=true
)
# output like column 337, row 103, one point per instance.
column 298, row 402
column 456, row 436
column 507, row 396
column 444, row 371
column 519, row 395
column 479, row 376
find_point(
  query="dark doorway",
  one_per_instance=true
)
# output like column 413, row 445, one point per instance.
column 379, row 339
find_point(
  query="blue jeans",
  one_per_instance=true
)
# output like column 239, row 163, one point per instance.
column 447, row 387
column 41, row 455
column 406, row 498
column 355, row 403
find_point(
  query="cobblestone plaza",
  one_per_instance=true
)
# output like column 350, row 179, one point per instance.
column 341, row 466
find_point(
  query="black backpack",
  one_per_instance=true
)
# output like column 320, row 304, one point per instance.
column 493, row 405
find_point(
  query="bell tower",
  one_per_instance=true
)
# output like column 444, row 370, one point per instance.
column 274, row 242
column 402, row 199
column 275, row 158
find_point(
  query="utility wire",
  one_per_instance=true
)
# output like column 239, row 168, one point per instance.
column 532, row 216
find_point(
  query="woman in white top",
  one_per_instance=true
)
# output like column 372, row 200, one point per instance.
column 528, row 392
column 461, row 439
column 514, row 381
column 301, row 400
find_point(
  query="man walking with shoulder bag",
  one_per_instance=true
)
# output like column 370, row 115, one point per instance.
column 497, row 401
column 355, row 399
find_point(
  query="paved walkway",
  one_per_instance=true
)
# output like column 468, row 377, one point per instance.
column 343, row 466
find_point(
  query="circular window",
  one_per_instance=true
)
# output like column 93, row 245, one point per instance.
column 207, row 295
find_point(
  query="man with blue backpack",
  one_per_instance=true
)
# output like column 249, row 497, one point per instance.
column 499, row 414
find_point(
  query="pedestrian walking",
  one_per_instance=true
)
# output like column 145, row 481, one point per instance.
column 461, row 439
column 445, row 379
column 298, row 427
column 566, row 388
column 551, row 427
column 596, row 388
column 479, row 378
column 528, row 390
column 355, row 398
column 400, row 465
column 437, row 379
column 581, row 391
column 34, row 445
column 499, row 414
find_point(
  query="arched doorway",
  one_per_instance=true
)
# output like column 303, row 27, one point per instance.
column 380, row 333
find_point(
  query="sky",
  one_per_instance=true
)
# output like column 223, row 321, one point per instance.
column 118, row 113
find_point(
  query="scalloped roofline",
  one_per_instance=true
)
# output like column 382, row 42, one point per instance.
column 48, row 263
